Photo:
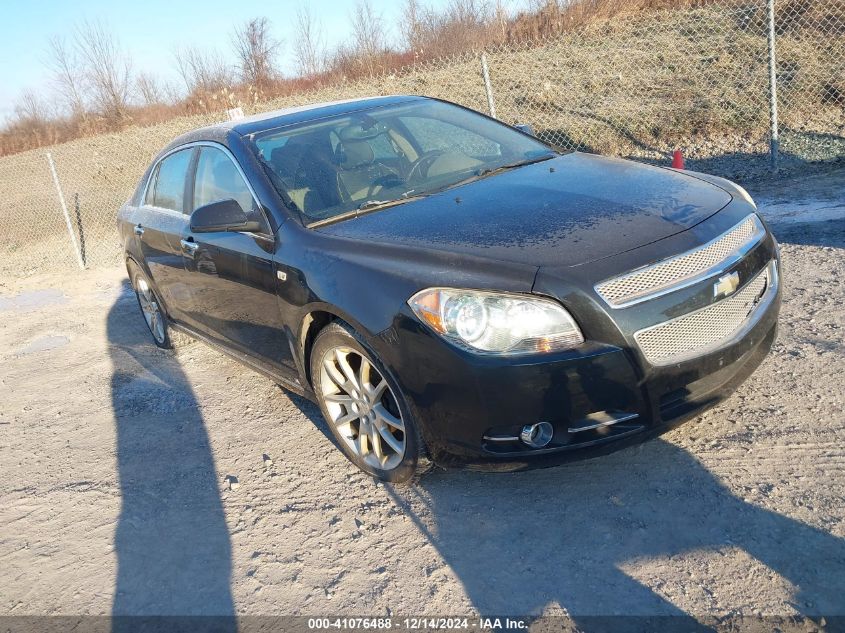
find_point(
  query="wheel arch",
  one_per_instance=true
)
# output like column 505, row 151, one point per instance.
column 312, row 324
column 316, row 319
column 132, row 260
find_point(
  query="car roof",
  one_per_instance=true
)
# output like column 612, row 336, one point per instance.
column 311, row 112
column 279, row 118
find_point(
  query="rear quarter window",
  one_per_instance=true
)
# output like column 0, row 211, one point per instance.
column 149, row 197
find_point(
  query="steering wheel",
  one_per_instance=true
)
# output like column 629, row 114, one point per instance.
column 420, row 167
column 391, row 179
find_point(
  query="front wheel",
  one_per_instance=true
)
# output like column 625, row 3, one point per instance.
column 150, row 306
column 364, row 407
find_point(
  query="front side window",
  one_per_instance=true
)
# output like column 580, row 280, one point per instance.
column 219, row 179
column 169, row 182
column 386, row 155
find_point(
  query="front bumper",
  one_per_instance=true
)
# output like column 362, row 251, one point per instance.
column 469, row 403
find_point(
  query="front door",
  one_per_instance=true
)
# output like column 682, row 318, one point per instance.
column 233, row 276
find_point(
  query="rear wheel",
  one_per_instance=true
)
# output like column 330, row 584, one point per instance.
column 364, row 407
column 150, row 306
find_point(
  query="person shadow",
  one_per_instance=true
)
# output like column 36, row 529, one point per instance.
column 171, row 541
column 571, row 540
column 572, row 537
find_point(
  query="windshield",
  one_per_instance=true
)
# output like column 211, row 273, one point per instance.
column 363, row 161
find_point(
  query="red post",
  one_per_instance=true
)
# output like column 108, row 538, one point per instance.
column 677, row 159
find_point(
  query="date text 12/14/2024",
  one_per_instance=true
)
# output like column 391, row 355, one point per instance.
column 417, row 624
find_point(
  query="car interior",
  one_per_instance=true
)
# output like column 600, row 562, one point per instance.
column 330, row 169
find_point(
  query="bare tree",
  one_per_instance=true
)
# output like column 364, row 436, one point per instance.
column 256, row 50
column 473, row 15
column 460, row 25
column 31, row 110
column 309, row 47
column 368, row 34
column 107, row 68
column 149, row 89
column 501, row 14
column 68, row 78
column 202, row 71
column 171, row 92
column 412, row 25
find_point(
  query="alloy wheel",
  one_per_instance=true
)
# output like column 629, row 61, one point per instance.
column 362, row 407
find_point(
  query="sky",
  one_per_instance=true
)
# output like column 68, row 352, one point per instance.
column 149, row 30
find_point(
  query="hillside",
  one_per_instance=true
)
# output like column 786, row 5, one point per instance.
column 635, row 85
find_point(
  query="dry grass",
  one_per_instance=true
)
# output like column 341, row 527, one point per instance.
column 632, row 85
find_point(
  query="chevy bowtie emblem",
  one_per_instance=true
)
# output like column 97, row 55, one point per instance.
column 726, row 285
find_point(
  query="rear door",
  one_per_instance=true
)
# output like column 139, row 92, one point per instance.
column 233, row 275
column 160, row 223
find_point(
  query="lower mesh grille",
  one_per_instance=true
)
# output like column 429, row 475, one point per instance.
column 705, row 329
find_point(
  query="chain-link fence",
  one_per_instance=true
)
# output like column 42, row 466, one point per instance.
column 639, row 86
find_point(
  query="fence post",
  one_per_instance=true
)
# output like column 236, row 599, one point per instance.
column 488, row 88
column 773, row 84
column 79, row 228
column 64, row 210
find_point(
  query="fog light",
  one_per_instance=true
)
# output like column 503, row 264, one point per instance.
column 536, row 435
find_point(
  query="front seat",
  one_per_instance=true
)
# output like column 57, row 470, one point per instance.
column 305, row 168
column 359, row 175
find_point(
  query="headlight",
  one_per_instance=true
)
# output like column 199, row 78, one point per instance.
column 497, row 322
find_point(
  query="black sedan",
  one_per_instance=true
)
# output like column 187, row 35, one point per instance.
column 450, row 289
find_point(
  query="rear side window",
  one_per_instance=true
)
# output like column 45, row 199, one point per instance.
column 218, row 179
column 169, row 182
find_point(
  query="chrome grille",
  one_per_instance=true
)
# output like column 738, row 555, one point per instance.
column 685, row 269
column 706, row 329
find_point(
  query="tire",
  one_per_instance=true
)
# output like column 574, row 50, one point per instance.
column 373, row 426
column 151, row 307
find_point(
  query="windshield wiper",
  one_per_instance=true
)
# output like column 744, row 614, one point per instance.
column 368, row 206
column 484, row 172
column 375, row 205
column 487, row 171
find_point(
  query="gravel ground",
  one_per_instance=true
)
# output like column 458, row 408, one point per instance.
column 141, row 481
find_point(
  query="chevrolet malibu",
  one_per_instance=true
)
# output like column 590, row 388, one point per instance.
column 449, row 289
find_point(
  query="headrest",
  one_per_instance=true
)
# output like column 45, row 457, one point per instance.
column 360, row 131
column 286, row 160
column 351, row 154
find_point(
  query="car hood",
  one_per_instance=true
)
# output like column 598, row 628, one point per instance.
column 569, row 210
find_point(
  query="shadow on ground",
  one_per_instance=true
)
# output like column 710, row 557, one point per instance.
column 562, row 537
column 172, row 543
column 830, row 233
column 580, row 536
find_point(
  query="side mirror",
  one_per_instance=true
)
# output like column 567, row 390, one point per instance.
column 525, row 128
column 223, row 215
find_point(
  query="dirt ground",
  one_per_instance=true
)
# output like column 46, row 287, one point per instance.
column 117, row 462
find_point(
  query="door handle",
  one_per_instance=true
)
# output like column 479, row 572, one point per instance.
column 139, row 230
column 189, row 246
